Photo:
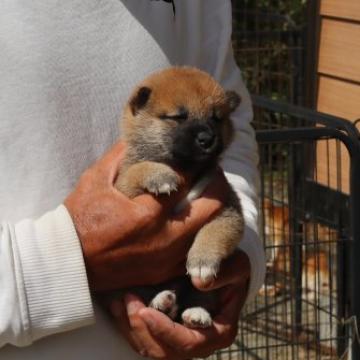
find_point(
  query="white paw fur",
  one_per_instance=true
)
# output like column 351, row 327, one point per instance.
column 205, row 270
column 205, row 273
column 166, row 188
column 162, row 183
column 165, row 301
column 196, row 317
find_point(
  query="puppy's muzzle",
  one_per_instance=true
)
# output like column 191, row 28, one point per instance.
column 195, row 143
column 206, row 139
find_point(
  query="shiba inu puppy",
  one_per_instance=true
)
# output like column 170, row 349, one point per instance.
column 180, row 118
column 315, row 266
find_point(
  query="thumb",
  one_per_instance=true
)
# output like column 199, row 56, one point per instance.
column 202, row 209
column 233, row 299
column 109, row 164
column 127, row 307
column 163, row 328
column 163, row 203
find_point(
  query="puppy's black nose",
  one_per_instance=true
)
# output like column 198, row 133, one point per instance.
column 205, row 139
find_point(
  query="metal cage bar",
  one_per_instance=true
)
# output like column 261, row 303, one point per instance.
column 287, row 321
column 347, row 133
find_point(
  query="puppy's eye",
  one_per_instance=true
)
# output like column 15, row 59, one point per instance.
column 216, row 116
column 179, row 117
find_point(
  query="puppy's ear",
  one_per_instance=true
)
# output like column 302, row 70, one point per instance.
column 139, row 100
column 233, row 100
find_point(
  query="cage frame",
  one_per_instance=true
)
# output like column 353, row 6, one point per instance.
column 331, row 128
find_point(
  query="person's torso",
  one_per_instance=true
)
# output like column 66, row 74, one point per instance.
column 66, row 69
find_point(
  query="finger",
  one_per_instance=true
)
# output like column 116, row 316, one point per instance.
column 138, row 330
column 140, row 333
column 120, row 314
column 109, row 164
column 133, row 328
column 226, row 323
column 210, row 184
column 202, row 209
column 234, row 270
column 232, row 300
column 178, row 337
column 162, row 204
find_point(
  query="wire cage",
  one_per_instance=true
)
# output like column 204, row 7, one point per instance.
column 270, row 45
column 307, row 307
column 309, row 167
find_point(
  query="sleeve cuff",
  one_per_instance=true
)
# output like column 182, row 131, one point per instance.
column 54, row 277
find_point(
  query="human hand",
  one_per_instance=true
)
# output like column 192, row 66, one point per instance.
column 154, row 335
column 130, row 242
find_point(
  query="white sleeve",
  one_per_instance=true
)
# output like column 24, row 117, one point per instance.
column 205, row 28
column 43, row 282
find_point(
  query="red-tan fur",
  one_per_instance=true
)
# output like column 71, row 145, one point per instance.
column 151, row 132
column 315, row 265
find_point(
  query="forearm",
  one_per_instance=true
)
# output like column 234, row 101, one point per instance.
column 42, row 278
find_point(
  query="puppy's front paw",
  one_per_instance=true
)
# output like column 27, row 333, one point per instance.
column 196, row 317
column 165, row 301
column 205, row 269
column 162, row 182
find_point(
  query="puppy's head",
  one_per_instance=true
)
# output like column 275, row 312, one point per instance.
column 180, row 116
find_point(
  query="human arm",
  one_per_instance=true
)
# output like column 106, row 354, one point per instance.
column 43, row 282
column 41, row 264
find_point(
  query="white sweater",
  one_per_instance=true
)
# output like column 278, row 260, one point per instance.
column 66, row 70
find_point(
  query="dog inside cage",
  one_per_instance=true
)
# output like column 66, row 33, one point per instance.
column 315, row 263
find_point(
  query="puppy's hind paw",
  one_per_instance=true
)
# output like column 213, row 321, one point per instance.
column 165, row 301
column 196, row 317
